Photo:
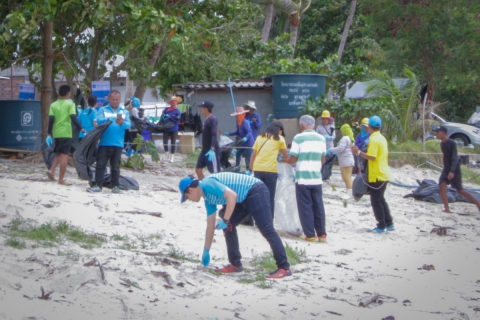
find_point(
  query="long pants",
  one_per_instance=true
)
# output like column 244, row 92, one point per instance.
column 347, row 176
column 248, row 154
column 379, row 205
column 173, row 138
column 270, row 180
column 104, row 154
column 257, row 203
column 310, row 209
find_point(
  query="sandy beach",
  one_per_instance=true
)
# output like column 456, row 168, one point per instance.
column 149, row 266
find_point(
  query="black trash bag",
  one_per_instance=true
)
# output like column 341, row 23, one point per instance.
column 48, row 154
column 248, row 221
column 160, row 127
column 225, row 153
column 327, row 166
column 124, row 183
column 429, row 191
column 86, row 153
column 235, row 169
column 360, row 186
column 138, row 124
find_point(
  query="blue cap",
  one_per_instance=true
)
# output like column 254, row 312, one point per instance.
column 135, row 102
column 375, row 122
column 183, row 186
column 440, row 128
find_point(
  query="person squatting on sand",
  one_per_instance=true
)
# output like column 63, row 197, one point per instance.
column 378, row 175
column 243, row 195
column 308, row 152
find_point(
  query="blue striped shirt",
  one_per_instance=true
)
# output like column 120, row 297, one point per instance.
column 213, row 188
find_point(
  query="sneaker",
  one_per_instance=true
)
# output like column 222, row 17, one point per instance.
column 116, row 190
column 312, row 239
column 377, row 230
column 279, row 274
column 94, row 189
column 231, row 270
column 391, row 228
column 322, row 238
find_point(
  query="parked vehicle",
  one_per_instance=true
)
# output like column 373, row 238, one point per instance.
column 460, row 132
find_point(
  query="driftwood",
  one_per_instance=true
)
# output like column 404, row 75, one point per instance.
column 45, row 296
column 165, row 276
column 102, row 272
column 155, row 214
column 126, row 310
column 366, row 301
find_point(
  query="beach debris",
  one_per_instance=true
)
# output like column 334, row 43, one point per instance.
column 237, row 315
column 406, row 302
column 129, row 283
column 441, row 231
column 334, row 313
column 102, row 273
column 169, row 261
column 366, row 301
column 343, row 251
column 165, row 276
column 155, row 214
column 47, row 205
column 476, row 309
column 389, row 318
column 45, row 296
column 427, row 267
column 125, row 309
column 164, row 187
column 90, row 263
column 153, row 301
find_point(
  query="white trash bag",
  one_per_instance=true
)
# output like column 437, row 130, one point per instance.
column 286, row 213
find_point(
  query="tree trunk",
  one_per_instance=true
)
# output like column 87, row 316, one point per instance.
column 152, row 60
column 294, row 23
column 343, row 41
column 46, row 89
column 129, row 87
column 268, row 21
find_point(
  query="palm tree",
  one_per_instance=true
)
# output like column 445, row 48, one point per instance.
column 270, row 8
column 295, row 18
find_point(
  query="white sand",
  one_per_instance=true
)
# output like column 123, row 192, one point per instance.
column 388, row 263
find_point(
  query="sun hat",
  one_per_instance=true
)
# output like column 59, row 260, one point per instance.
column 251, row 104
column 183, row 186
column 175, row 98
column 238, row 111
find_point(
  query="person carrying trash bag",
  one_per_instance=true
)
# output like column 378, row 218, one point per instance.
column 378, row 174
column 242, row 195
column 244, row 132
column 345, row 156
column 265, row 157
column 327, row 129
column 171, row 114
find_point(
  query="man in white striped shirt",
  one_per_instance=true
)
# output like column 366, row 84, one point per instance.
column 308, row 151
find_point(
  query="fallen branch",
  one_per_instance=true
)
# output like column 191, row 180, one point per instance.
column 45, row 296
column 344, row 300
column 155, row 214
column 125, row 309
column 102, row 272
column 165, row 276
column 366, row 301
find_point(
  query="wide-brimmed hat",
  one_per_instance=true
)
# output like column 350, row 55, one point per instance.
column 238, row 111
column 250, row 104
column 175, row 98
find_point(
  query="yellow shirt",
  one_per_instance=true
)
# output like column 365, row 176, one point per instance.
column 266, row 158
column 378, row 169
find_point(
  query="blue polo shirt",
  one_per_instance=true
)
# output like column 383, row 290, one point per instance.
column 213, row 188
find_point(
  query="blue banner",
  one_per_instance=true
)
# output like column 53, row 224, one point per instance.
column 27, row 91
column 101, row 89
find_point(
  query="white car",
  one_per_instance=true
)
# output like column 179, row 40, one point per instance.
column 465, row 133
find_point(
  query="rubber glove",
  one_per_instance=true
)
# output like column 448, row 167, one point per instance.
column 226, row 134
column 328, row 138
column 234, row 152
column 49, row 141
column 244, row 139
column 367, row 141
column 328, row 152
column 221, row 225
column 280, row 158
column 206, row 257
column 211, row 155
column 248, row 172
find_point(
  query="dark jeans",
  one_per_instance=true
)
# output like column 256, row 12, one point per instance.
column 270, row 180
column 173, row 138
column 310, row 209
column 248, row 154
column 379, row 205
column 257, row 204
column 104, row 154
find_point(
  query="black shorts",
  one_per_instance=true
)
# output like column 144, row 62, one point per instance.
column 456, row 182
column 212, row 166
column 63, row 145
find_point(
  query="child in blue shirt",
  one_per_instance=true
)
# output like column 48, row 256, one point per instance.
column 242, row 195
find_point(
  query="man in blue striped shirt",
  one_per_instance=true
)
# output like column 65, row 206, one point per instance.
column 243, row 195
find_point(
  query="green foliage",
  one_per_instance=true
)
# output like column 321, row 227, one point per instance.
column 15, row 243
column 138, row 161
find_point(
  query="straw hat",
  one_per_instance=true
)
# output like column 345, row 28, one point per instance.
column 238, row 111
column 251, row 104
column 175, row 98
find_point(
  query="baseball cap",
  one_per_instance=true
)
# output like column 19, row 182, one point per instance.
column 206, row 104
column 183, row 186
column 278, row 124
column 440, row 128
column 375, row 122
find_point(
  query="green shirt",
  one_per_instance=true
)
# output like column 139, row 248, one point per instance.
column 61, row 110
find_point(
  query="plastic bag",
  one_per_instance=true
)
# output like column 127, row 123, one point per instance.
column 286, row 212
column 360, row 187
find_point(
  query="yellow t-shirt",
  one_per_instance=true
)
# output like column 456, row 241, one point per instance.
column 378, row 170
column 266, row 158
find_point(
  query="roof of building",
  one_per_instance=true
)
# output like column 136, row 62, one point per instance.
column 240, row 84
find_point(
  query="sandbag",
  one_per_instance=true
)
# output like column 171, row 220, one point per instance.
column 360, row 187
column 286, row 212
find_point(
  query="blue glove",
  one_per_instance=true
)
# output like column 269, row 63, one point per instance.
column 221, row 225
column 367, row 141
column 211, row 155
column 234, row 152
column 244, row 139
column 248, row 172
column 206, row 257
column 280, row 158
column 328, row 138
column 328, row 152
column 226, row 134
column 49, row 141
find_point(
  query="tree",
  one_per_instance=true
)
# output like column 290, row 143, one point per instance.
column 272, row 8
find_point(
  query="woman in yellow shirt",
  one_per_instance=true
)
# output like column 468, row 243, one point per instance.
column 264, row 158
